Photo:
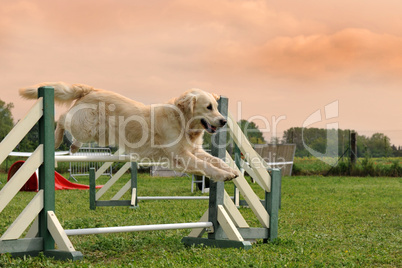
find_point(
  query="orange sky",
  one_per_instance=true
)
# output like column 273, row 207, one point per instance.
column 275, row 59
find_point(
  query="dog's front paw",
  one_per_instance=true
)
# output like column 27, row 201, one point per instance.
column 224, row 176
column 236, row 173
column 232, row 176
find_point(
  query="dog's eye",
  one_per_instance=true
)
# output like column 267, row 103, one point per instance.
column 209, row 107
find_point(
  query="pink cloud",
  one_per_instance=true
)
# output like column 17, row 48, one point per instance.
column 345, row 53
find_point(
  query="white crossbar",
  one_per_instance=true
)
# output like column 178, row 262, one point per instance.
column 94, row 158
column 21, row 177
column 19, row 131
column 122, row 191
column 25, row 218
column 173, row 198
column 138, row 228
column 106, row 165
column 112, row 180
column 104, row 158
column 256, row 161
column 252, row 199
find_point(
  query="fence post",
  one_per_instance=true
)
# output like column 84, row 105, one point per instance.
column 353, row 148
column 216, row 190
column 92, row 189
column 46, row 170
column 134, row 181
column 272, row 204
column 237, row 155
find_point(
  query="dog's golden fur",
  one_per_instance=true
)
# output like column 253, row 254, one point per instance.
column 171, row 132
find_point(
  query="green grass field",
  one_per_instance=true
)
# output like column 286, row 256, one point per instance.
column 324, row 221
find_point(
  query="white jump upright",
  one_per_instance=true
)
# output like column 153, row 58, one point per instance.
column 223, row 223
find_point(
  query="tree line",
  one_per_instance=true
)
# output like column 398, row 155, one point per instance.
column 378, row 145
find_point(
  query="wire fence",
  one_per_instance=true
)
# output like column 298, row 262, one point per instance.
column 82, row 168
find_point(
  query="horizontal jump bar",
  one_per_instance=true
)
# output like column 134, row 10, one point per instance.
column 173, row 198
column 280, row 163
column 137, row 228
column 104, row 158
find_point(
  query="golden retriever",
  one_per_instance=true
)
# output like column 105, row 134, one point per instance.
column 171, row 132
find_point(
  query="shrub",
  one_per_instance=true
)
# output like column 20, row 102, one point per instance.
column 296, row 169
column 395, row 170
column 368, row 168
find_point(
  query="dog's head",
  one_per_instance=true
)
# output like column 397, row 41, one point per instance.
column 201, row 110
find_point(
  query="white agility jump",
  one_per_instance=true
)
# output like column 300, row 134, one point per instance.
column 223, row 222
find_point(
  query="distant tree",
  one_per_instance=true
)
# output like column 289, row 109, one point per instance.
column 30, row 141
column 6, row 119
column 253, row 134
column 250, row 129
column 294, row 136
column 380, row 145
column 397, row 151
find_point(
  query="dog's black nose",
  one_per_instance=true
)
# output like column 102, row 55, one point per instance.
column 223, row 122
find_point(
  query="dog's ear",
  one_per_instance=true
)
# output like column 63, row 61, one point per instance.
column 216, row 96
column 186, row 103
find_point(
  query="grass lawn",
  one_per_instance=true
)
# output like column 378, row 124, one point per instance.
column 324, row 221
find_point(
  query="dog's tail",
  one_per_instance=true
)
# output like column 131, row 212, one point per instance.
column 63, row 92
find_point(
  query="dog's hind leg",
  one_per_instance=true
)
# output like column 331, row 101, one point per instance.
column 59, row 132
column 75, row 146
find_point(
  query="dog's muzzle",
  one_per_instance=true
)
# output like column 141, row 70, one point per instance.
column 210, row 128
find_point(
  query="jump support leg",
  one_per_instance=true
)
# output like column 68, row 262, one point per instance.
column 46, row 176
column 272, row 204
column 42, row 238
column 217, row 238
column 133, row 202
